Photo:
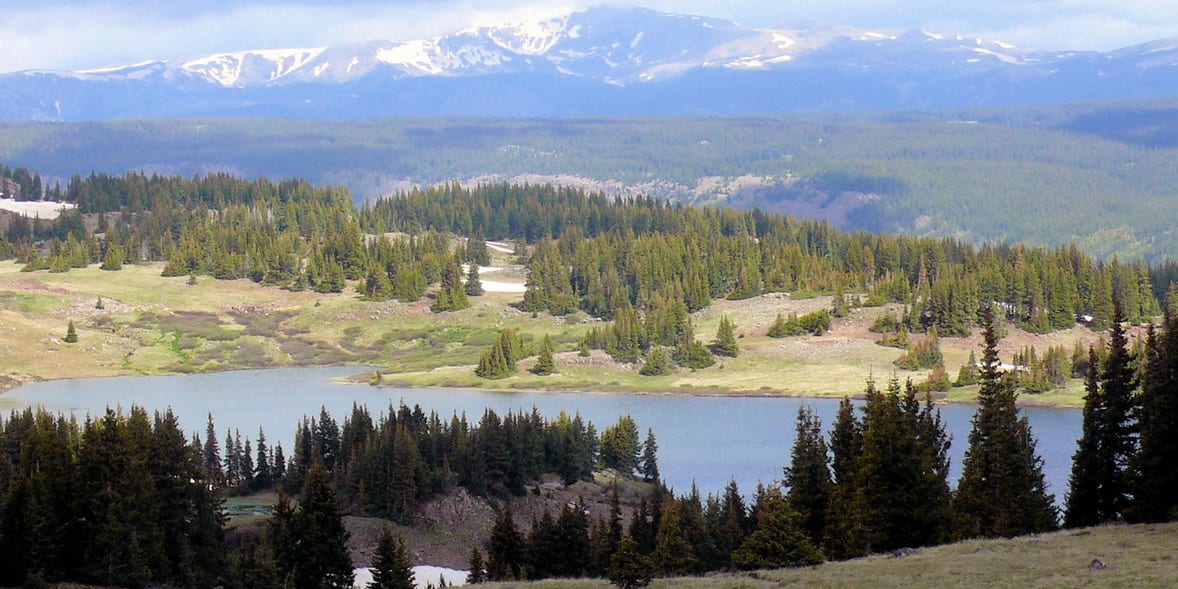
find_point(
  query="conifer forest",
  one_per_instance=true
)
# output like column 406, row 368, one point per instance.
column 128, row 499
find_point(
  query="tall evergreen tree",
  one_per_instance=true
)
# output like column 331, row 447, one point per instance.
column 1083, row 505
column 1155, row 466
column 1001, row 491
column 320, row 551
column 391, row 568
column 505, row 550
column 808, row 475
column 650, row 462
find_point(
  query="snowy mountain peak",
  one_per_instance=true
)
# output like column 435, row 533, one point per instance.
column 246, row 68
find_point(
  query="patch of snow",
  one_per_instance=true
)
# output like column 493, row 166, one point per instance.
column 319, row 69
column 423, row 575
column 529, row 38
column 117, row 68
column 1000, row 56
column 936, row 36
column 1003, row 45
column 575, row 32
column 637, row 40
column 747, row 63
column 355, row 62
column 707, row 25
column 871, row 35
column 39, row 209
column 782, row 41
column 501, row 247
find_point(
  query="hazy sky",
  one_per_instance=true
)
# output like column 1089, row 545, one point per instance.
column 76, row 34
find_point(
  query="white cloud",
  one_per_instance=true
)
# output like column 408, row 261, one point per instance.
column 77, row 34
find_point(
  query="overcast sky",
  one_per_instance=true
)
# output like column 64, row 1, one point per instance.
column 78, row 34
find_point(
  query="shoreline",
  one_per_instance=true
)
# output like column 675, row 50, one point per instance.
column 389, row 381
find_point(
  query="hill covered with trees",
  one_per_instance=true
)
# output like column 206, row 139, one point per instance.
column 1101, row 175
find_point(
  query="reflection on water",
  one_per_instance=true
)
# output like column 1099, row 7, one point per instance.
column 702, row 440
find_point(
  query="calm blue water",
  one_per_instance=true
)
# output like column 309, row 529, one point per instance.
column 705, row 440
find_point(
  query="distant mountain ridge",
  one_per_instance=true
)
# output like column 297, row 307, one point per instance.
column 600, row 61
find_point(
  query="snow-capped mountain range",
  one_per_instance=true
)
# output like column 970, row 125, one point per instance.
column 600, row 61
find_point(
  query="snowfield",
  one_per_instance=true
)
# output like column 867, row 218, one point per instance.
column 422, row 576
column 38, row 209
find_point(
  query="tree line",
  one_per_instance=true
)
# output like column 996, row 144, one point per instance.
column 129, row 500
column 586, row 251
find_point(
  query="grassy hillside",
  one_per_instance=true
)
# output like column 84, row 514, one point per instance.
column 155, row 325
column 1101, row 175
column 1133, row 556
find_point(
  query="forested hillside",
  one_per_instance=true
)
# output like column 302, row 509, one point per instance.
column 1099, row 175
column 585, row 251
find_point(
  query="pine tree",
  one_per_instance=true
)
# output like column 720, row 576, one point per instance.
column 650, row 464
column 656, row 363
column 505, row 552
column 673, row 553
column 71, row 333
column 451, row 294
column 113, row 259
column 808, row 474
column 1082, row 507
column 725, row 342
column 478, row 571
column 628, row 567
column 390, row 565
column 1100, row 487
column 545, row 364
column 1155, row 466
column 322, row 553
column 473, row 286
column 844, row 535
column 778, row 540
column 1001, row 491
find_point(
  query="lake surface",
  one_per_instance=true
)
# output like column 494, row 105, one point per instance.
column 705, row 440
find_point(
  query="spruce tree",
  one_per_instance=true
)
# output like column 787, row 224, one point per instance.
column 1155, row 466
column 650, row 464
column 451, row 294
column 779, row 539
column 628, row 567
column 1001, row 491
column 808, row 475
column 844, row 535
column 477, row 570
column 391, row 568
column 322, row 552
column 545, row 364
column 71, row 333
column 505, row 552
column 725, row 342
column 656, row 363
column 1082, row 507
column 473, row 286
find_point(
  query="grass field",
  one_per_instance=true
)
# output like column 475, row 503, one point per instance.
column 1141, row 556
column 154, row 325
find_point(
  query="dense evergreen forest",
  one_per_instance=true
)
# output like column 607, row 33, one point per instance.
column 130, row 500
column 1099, row 174
column 584, row 251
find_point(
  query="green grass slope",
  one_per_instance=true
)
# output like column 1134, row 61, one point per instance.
column 1138, row 556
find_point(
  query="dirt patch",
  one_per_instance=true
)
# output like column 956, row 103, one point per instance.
column 450, row 526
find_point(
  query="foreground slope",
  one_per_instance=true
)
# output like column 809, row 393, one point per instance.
column 1132, row 556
